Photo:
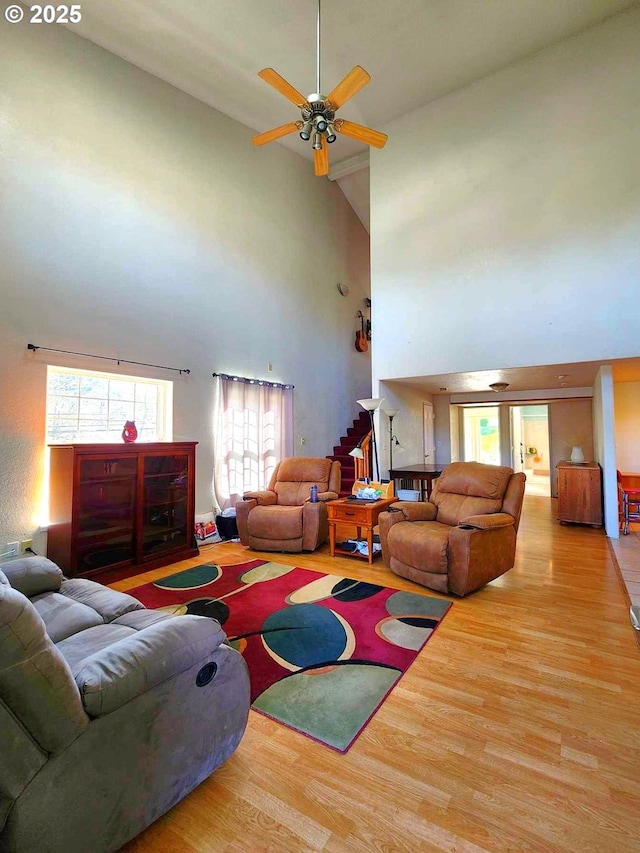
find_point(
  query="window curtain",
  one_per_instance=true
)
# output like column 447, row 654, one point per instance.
column 252, row 432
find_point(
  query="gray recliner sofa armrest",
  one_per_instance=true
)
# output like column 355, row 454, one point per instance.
column 113, row 676
column 33, row 575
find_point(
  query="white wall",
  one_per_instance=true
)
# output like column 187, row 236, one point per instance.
column 408, row 424
column 627, row 426
column 139, row 223
column 604, row 445
column 504, row 217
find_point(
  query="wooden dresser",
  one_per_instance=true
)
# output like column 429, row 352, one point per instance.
column 579, row 493
column 124, row 507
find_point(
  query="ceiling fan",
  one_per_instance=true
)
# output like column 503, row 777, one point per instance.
column 318, row 112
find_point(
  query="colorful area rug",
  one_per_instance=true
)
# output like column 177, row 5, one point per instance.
column 323, row 651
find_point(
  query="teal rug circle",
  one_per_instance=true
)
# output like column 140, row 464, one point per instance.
column 191, row 578
column 304, row 635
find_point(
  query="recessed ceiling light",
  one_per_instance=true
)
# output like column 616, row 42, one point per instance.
column 562, row 375
column 443, row 389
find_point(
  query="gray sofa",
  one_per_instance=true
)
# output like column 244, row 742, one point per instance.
column 109, row 713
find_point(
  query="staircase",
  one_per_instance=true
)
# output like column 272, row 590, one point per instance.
column 361, row 426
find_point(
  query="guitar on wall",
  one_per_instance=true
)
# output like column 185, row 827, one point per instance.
column 361, row 336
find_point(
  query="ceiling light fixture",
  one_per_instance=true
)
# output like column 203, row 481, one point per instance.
column 499, row 386
column 318, row 112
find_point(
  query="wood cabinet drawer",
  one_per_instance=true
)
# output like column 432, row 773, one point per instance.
column 351, row 514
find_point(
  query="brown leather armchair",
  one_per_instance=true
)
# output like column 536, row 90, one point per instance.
column 282, row 518
column 464, row 537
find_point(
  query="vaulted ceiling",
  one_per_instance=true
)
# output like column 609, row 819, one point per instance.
column 415, row 50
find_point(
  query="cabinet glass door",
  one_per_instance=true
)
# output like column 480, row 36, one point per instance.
column 164, row 504
column 106, row 512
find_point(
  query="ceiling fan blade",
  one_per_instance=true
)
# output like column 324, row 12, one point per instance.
column 276, row 133
column 280, row 84
column 321, row 159
column 347, row 88
column 361, row 133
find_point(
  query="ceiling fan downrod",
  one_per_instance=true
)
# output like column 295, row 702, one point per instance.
column 317, row 115
column 318, row 89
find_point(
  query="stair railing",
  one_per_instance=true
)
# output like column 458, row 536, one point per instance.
column 363, row 466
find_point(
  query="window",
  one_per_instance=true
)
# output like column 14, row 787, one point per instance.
column 252, row 432
column 85, row 406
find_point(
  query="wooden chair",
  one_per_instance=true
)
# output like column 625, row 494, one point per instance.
column 629, row 504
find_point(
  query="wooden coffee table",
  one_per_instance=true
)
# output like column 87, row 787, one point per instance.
column 362, row 514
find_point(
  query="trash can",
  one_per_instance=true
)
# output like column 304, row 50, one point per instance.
column 227, row 527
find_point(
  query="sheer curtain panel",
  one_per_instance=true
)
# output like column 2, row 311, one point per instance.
column 252, row 432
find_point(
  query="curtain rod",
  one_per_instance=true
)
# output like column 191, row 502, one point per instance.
column 253, row 381
column 179, row 370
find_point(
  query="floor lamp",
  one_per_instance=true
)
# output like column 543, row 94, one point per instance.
column 391, row 413
column 371, row 404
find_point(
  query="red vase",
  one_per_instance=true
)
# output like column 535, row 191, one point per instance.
column 129, row 433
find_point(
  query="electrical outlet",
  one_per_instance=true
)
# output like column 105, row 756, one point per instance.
column 25, row 545
column 12, row 549
column 303, row 441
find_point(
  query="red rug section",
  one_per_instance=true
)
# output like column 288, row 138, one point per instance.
column 289, row 620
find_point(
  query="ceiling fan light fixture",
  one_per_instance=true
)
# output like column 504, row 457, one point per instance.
column 321, row 124
column 317, row 141
column 306, row 130
column 331, row 134
column 499, row 386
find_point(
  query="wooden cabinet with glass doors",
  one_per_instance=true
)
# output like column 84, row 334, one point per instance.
column 125, row 507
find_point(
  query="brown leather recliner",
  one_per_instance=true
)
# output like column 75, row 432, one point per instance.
column 282, row 518
column 464, row 537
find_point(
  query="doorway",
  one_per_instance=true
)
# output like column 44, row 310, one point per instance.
column 530, row 447
column 481, row 434
column 428, row 434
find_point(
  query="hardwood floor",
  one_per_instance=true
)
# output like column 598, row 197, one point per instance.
column 516, row 729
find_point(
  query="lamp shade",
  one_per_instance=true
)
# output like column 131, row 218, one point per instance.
column 356, row 453
column 391, row 413
column 371, row 403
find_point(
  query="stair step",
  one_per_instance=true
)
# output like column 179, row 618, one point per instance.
column 349, row 441
column 341, row 451
column 358, row 431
